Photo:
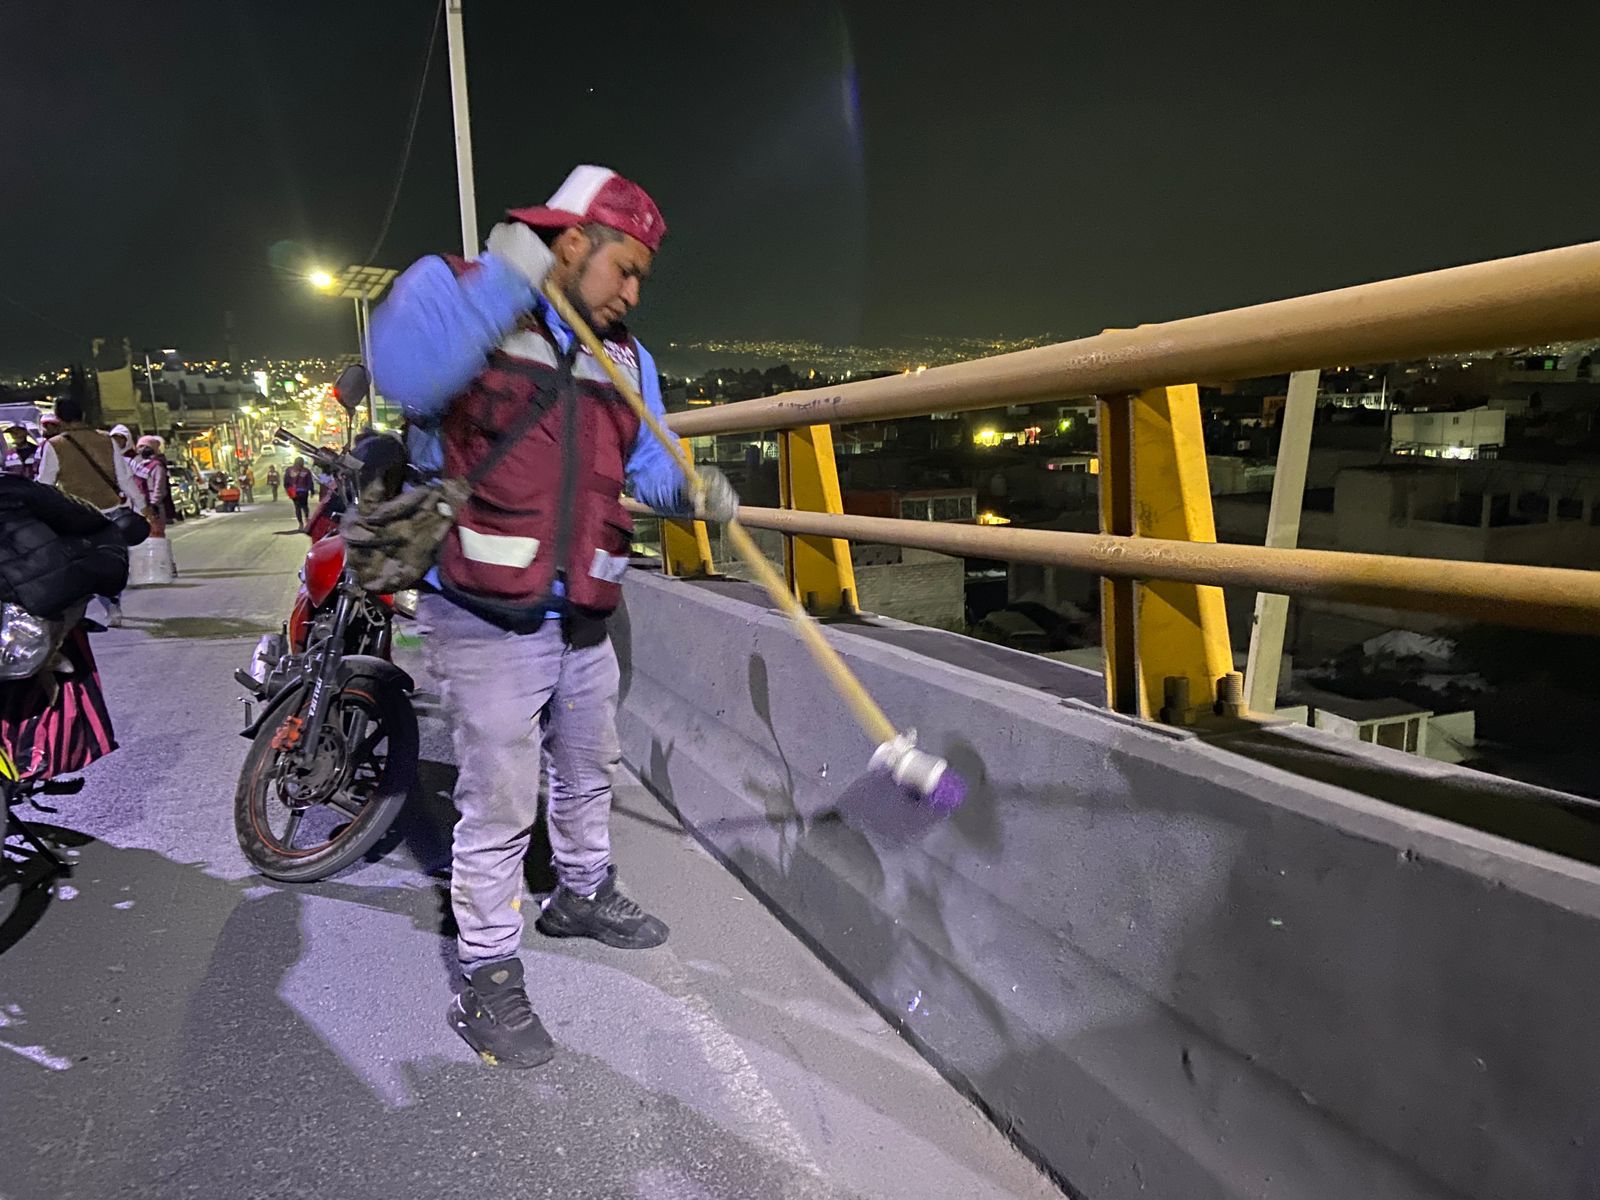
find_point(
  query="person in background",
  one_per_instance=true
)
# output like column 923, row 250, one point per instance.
column 122, row 439
column 84, row 462
column 21, row 453
column 272, row 481
column 298, row 482
column 51, row 424
column 150, row 469
column 247, row 483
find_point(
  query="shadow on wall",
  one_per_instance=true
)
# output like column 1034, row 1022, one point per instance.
column 1550, row 821
column 1057, row 1000
column 794, row 861
column 778, row 797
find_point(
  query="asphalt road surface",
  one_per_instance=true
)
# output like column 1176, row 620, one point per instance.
column 172, row 1025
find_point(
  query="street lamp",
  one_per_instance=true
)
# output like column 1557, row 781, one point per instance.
column 362, row 285
column 249, row 428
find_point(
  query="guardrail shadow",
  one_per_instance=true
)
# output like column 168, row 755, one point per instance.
column 1538, row 817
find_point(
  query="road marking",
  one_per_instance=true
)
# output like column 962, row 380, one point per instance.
column 768, row 1124
column 38, row 1054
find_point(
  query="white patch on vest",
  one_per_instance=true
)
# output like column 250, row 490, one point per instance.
column 609, row 567
column 529, row 346
column 498, row 549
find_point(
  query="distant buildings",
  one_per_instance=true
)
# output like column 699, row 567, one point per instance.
column 930, row 504
column 1476, row 433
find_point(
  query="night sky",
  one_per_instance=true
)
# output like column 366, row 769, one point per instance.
column 846, row 172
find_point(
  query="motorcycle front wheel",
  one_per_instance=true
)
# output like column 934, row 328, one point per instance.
column 302, row 822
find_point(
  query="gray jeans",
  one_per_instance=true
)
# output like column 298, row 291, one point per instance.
column 508, row 695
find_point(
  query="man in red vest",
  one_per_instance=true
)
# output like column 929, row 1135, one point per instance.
column 298, row 482
column 498, row 391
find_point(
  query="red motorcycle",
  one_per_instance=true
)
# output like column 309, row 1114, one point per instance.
column 334, row 747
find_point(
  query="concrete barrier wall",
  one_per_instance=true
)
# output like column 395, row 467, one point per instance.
column 1168, row 966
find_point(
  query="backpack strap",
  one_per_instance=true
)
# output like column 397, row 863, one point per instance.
column 537, row 407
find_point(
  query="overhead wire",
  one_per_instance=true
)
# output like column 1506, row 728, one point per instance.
column 411, row 133
column 40, row 317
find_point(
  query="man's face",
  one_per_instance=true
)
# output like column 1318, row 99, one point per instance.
column 609, row 280
column 120, row 441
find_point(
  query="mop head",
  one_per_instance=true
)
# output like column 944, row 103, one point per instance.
column 925, row 776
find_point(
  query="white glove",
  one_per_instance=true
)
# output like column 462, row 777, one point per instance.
column 718, row 502
column 520, row 247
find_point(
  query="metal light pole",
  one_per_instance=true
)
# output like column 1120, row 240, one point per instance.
column 361, row 285
column 150, row 382
column 364, row 346
column 463, row 124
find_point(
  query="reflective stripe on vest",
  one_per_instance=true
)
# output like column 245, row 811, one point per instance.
column 498, row 550
column 609, row 567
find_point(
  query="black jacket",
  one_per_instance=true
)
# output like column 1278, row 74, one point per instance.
column 54, row 550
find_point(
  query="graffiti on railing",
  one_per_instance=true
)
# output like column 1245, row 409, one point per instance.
column 813, row 404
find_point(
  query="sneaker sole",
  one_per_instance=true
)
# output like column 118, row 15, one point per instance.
column 454, row 1017
column 606, row 938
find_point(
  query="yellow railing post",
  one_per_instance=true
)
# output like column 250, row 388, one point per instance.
column 685, row 545
column 1166, row 643
column 818, row 568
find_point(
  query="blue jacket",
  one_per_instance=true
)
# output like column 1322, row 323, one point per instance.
column 434, row 333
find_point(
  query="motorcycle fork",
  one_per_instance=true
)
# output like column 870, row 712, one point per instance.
column 324, row 684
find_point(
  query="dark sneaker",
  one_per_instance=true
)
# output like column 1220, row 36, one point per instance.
column 607, row 916
column 494, row 1016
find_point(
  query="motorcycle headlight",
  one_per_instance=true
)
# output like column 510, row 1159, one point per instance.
column 26, row 642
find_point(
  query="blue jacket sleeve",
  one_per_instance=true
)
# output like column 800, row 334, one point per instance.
column 654, row 475
column 431, row 336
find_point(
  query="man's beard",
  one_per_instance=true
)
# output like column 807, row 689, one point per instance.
column 604, row 330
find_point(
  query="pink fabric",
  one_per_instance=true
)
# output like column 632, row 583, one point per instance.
column 47, row 737
column 152, row 476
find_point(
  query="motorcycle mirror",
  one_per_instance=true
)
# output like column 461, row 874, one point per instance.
column 350, row 389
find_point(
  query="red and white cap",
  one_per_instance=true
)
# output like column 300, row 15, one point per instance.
column 600, row 196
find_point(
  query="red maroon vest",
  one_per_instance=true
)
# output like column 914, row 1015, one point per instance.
column 552, row 506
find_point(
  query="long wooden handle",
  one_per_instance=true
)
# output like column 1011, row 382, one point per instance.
column 878, row 727
column 872, row 719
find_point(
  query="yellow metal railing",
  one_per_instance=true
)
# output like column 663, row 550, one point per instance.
column 1532, row 299
column 1162, row 615
column 1553, row 598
